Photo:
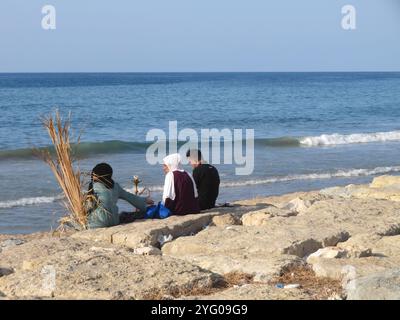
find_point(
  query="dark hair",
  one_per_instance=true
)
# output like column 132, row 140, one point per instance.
column 193, row 153
column 103, row 173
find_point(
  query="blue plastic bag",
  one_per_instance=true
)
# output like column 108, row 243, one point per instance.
column 158, row 211
column 163, row 211
column 151, row 211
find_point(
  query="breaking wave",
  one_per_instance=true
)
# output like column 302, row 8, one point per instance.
column 337, row 139
column 85, row 149
column 28, row 202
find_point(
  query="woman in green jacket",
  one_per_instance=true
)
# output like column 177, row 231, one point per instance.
column 106, row 192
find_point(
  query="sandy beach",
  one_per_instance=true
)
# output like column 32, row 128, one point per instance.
column 334, row 243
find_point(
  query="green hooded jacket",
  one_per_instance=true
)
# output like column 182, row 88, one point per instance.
column 105, row 214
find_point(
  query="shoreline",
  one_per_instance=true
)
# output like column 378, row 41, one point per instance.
column 304, row 239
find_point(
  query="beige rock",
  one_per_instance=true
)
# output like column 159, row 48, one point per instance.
column 387, row 193
column 386, row 181
column 297, row 205
column 148, row 232
column 74, row 272
column 356, row 246
column 327, row 253
column 351, row 268
column 360, row 222
column 263, row 251
column 382, row 188
column 342, row 192
column 225, row 220
column 256, row 218
column 384, row 285
column 355, row 215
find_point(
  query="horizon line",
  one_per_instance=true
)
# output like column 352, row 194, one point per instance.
column 144, row 72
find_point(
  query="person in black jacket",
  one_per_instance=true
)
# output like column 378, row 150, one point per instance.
column 206, row 178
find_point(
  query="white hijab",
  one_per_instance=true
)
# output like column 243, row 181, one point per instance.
column 173, row 162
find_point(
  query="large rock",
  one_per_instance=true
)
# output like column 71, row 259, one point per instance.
column 381, row 188
column 386, row 181
column 143, row 233
column 352, row 268
column 262, row 251
column 357, row 246
column 75, row 270
column 384, row 285
column 355, row 215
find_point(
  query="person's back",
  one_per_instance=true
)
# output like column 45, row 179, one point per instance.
column 207, row 181
column 180, row 194
column 185, row 201
column 106, row 214
column 104, row 192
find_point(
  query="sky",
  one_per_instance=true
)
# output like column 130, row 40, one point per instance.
column 199, row 36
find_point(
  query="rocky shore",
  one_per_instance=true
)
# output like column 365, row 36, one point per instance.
column 335, row 243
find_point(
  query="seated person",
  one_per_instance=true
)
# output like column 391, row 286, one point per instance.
column 106, row 192
column 180, row 194
column 207, row 179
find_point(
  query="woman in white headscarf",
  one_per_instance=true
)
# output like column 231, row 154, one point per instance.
column 180, row 193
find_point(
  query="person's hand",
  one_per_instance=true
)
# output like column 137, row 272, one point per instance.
column 149, row 201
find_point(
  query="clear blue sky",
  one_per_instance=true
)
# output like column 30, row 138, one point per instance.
column 199, row 35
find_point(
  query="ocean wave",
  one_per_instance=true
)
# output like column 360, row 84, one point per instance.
column 85, row 149
column 28, row 202
column 339, row 139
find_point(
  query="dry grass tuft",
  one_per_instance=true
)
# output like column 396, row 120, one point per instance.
column 316, row 288
column 199, row 289
column 61, row 164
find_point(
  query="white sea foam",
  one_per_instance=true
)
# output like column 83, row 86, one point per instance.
column 312, row 176
column 335, row 139
column 28, row 202
column 315, row 176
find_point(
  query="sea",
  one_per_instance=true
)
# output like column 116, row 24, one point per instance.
column 311, row 131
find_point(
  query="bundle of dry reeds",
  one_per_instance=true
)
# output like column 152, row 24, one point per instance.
column 61, row 164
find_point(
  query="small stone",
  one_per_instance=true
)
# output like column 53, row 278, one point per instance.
column 327, row 253
column 11, row 243
column 5, row 271
column 148, row 251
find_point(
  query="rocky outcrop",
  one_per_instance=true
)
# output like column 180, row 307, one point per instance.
column 77, row 270
column 384, row 285
column 262, row 251
column 381, row 188
column 349, row 234
column 144, row 233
